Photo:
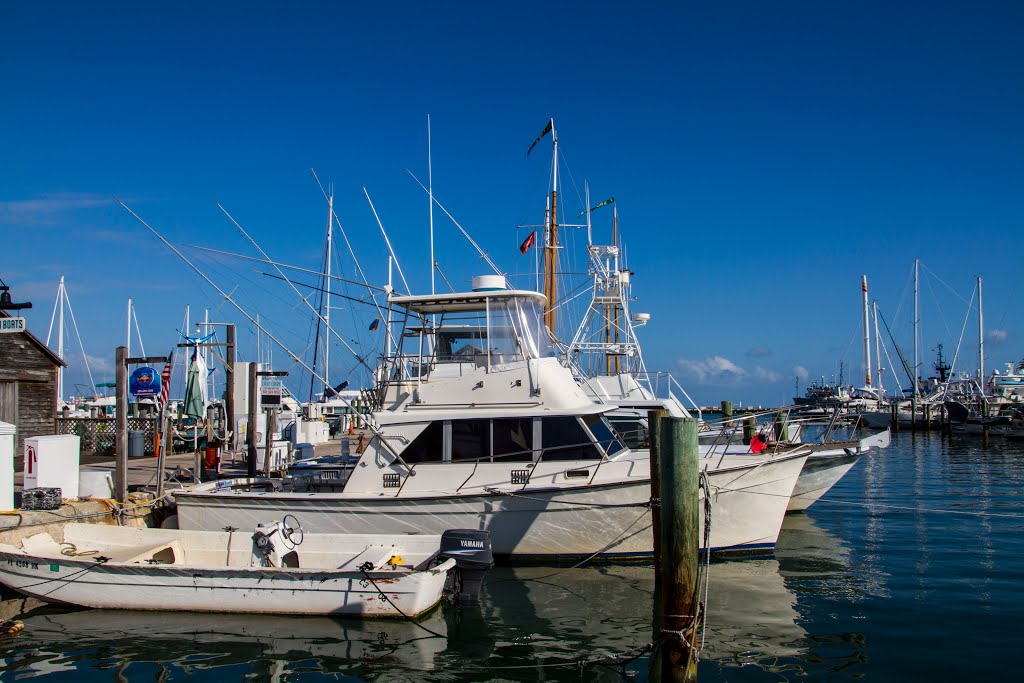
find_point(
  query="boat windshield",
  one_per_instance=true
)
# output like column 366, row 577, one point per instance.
column 516, row 330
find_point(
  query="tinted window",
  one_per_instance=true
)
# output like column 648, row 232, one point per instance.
column 427, row 447
column 603, row 433
column 564, row 439
column 632, row 431
column 513, row 439
column 470, row 439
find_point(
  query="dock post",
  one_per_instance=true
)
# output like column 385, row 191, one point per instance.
column 268, row 439
column 927, row 416
column 251, row 453
column 749, row 428
column 231, row 440
column 678, row 570
column 121, row 423
column 781, row 427
column 727, row 414
column 654, row 418
column 984, row 423
column 895, row 410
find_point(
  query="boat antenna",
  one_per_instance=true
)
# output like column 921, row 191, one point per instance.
column 387, row 242
column 483, row 254
column 430, row 191
column 297, row 293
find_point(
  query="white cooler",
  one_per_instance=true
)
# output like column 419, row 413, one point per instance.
column 52, row 461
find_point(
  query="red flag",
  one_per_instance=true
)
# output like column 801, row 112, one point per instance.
column 165, row 379
column 528, row 242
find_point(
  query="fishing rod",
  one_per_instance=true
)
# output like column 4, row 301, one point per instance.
column 295, row 358
column 297, row 293
column 348, row 244
column 285, row 265
column 483, row 254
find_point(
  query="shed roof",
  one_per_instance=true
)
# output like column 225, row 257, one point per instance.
column 34, row 340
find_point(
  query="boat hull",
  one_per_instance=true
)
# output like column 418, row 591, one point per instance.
column 820, row 473
column 87, row 583
column 607, row 521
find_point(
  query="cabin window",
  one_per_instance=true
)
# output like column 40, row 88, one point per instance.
column 427, row 447
column 513, row 439
column 632, row 431
column 470, row 439
column 602, row 431
column 461, row 345
column 563, row 438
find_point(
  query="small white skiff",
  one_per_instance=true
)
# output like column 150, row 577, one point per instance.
column 268, row 572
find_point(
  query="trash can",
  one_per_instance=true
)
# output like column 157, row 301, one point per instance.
column 136, row 443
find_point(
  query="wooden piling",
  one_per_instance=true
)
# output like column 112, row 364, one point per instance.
column 121, row 422
column 781, row 427
column 895, row 409
column 268, row 440
column 678, row 570
column 251, row 453
column 727, row 414
column 749, row 428
column 654, row 418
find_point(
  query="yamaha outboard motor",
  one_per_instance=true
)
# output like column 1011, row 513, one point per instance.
column 471, row 550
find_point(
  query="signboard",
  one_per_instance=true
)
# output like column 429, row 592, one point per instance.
column 270, row 396
column 12, row 325
column 145, row 381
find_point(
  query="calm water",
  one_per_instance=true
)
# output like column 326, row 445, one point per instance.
column 854, row 591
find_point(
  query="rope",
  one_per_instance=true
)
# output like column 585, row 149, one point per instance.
column 381, row 594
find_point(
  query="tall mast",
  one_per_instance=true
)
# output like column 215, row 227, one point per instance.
column 867, row 332
column 128, row 332
column 618, row 279
column 878, row 350
column 430, row 192
column 916, row 336
column 981, row 338
column 327, row 297
column 551, row 244
column 61, row 296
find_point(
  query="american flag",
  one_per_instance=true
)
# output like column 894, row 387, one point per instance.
column 165, row 379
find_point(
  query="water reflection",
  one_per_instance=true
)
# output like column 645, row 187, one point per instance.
column 536, row 623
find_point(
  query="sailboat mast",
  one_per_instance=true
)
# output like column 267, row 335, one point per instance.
column 981, row 338
column 128, row 331
column 916, row 336
column 551, row 244
column 618, row 278
column 878, row 349
column 867, row 331
column 327, row 297
column 62, row 295
column 430, row 192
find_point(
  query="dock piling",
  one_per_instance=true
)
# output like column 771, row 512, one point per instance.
column 749, row 429
column 678, row 569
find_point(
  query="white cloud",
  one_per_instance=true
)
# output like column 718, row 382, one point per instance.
column 801, row 372
column 48, row 208
column 99, row 365
column 996, row 336
column 713, row 370
column 765, row 375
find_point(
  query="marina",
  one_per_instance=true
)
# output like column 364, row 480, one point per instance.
column 533, row 342
column 925, row 532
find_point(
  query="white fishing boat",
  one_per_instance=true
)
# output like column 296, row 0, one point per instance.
column 278, row 569
column 827, row 464
column 478, row 425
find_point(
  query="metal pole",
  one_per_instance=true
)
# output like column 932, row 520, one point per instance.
column 121, row 420
column 268, row 439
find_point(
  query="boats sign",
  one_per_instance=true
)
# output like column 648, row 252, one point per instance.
column 12, row 325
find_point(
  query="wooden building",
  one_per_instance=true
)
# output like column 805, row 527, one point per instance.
column 28, row 385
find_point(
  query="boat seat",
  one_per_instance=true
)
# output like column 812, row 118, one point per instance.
column 376, row 555
column 162, row 553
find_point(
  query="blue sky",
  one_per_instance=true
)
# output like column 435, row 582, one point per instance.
column 763, row 156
